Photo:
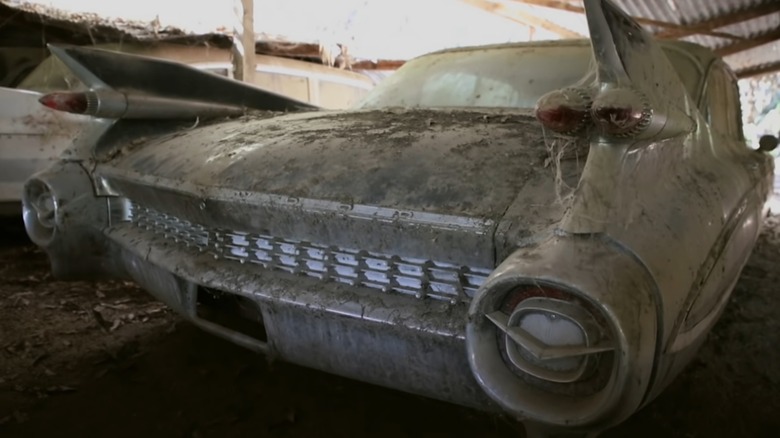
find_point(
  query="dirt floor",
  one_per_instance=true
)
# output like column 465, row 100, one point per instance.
column 105, row 360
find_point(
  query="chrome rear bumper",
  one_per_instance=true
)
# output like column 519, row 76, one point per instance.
column 391, row 340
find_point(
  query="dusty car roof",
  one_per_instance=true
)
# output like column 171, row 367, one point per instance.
column 702, row 54
column 555, row 43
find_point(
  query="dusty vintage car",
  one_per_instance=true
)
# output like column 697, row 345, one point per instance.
column 33, row 136
column 545, row 229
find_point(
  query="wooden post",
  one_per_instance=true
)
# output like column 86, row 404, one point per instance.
column 244, row 63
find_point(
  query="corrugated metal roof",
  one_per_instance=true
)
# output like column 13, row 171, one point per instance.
column 762, row 55
column 684, row 11
column 755, row 26
column 745, row 29
column 698, row 11
column 402, row 29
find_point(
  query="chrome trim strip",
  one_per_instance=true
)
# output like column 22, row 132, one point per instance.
column 389, row 273
column 477, row 226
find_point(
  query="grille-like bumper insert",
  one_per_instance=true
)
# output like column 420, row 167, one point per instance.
column 389, row 273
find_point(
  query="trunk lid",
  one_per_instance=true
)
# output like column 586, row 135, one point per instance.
column 432, row 184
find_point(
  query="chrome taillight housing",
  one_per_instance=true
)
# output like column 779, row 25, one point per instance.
column 563, row 333
column 621, row 112
column 565, row 111
column 614, row 112
column 40, row 207
column 552, row 339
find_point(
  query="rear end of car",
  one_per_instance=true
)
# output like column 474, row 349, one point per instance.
column 396, row 296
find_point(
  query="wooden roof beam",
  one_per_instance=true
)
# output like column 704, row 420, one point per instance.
column 564, row 6
column 522, row 17
column 758, row 70
column 755, row 41
column 555, row 4
column 727, row 19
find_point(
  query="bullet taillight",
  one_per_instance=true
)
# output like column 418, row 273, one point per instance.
column 564, row 111
column 112, row 104
column 621, row 112
column 76, row 103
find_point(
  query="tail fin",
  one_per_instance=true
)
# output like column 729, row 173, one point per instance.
column 102, row 69
column 629, row 58
column 637, row 95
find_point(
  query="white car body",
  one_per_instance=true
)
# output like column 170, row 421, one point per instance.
column 32, row 137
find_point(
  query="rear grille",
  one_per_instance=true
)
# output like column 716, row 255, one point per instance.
column 386, row 272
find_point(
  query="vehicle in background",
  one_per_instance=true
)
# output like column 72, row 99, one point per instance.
column 548, row 230
column 32, row 137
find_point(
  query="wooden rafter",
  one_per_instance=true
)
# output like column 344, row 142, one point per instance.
column 670, row 27
column 522, row 17
column 754, row 41
column 757, row 70
column 765, row 8
column 382, row 64
column 555, row 4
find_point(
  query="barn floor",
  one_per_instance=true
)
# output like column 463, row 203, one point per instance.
column 104, row 360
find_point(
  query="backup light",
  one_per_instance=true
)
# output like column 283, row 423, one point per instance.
column 550, row 335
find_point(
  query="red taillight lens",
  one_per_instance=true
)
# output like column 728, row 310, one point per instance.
column 515, row 297
column 621, row 112
column 565, row 111
column 76, row 103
